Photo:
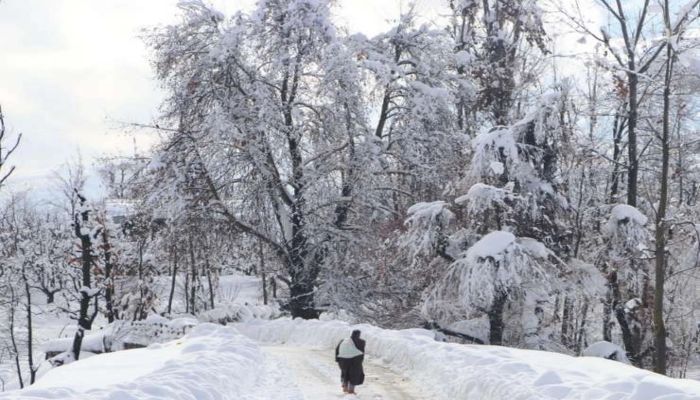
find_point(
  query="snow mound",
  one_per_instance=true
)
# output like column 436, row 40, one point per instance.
column 606, row 350
column 482, row 197
column 454, row 371
column 212, row 362
column 491, row 245
column 436, row 210
column 624, row 212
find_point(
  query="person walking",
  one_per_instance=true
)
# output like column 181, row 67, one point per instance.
column 349, row 354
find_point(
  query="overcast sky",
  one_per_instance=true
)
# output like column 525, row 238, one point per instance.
column 72, row 71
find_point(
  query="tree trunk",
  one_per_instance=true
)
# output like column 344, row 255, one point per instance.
column 618, row 308
column 193, row 282
column 109, row 284
column 209, row 282
column 262, row 271
column 581, row 336
column 661, row 225
column 15, row 348
column 567, row 325
column 496, row 319
column 618, row 127
column 301, row 303
column 172, row 282
column 84, row 320
column 30, row 328
column 632, row 136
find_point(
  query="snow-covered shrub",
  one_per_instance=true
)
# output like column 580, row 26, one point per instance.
column 427, row 225
column 629, row 279
column 495, row 154
column 626, row 230
column 228, row 313
column 607, row 350
column 499, row 269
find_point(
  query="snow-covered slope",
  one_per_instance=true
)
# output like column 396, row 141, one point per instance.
column 211, row 363
column 453, row 371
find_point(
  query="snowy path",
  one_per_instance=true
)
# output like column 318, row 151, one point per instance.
column 315, row 376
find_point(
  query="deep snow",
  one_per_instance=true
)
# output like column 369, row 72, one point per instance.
column 211, row 363
column 216, row 362
column 293, row 360
column 453, row 371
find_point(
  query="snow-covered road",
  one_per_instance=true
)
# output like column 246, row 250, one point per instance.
column 314, row 376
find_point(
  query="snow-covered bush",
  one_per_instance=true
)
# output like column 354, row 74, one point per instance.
column 607, row 350
column 427, row 225
column 495, row 273
column 231, row 312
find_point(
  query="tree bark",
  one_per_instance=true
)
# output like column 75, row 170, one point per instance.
column 661, row 225
column 30, row 328
column 618, row 127
column 109, row 284
column 495, row 315
column 567, row 325
column 581, row 335
column 173, row 282
column 15, row 348
column 618, row 308
column 633, row 164
column 86, row 260
column 209, row 282
column 262, row 271
column 193, row 283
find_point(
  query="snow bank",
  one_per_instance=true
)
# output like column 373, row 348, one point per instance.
column 122, row 334
column 456, row 371
column 212, row 362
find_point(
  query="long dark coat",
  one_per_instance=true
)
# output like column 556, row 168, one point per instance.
column 351, row 368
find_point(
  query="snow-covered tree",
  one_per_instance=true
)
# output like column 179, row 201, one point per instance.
column 514, row 201
column 281, row 135
column 493, row 41
column 8, row 146
column 86, row 231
